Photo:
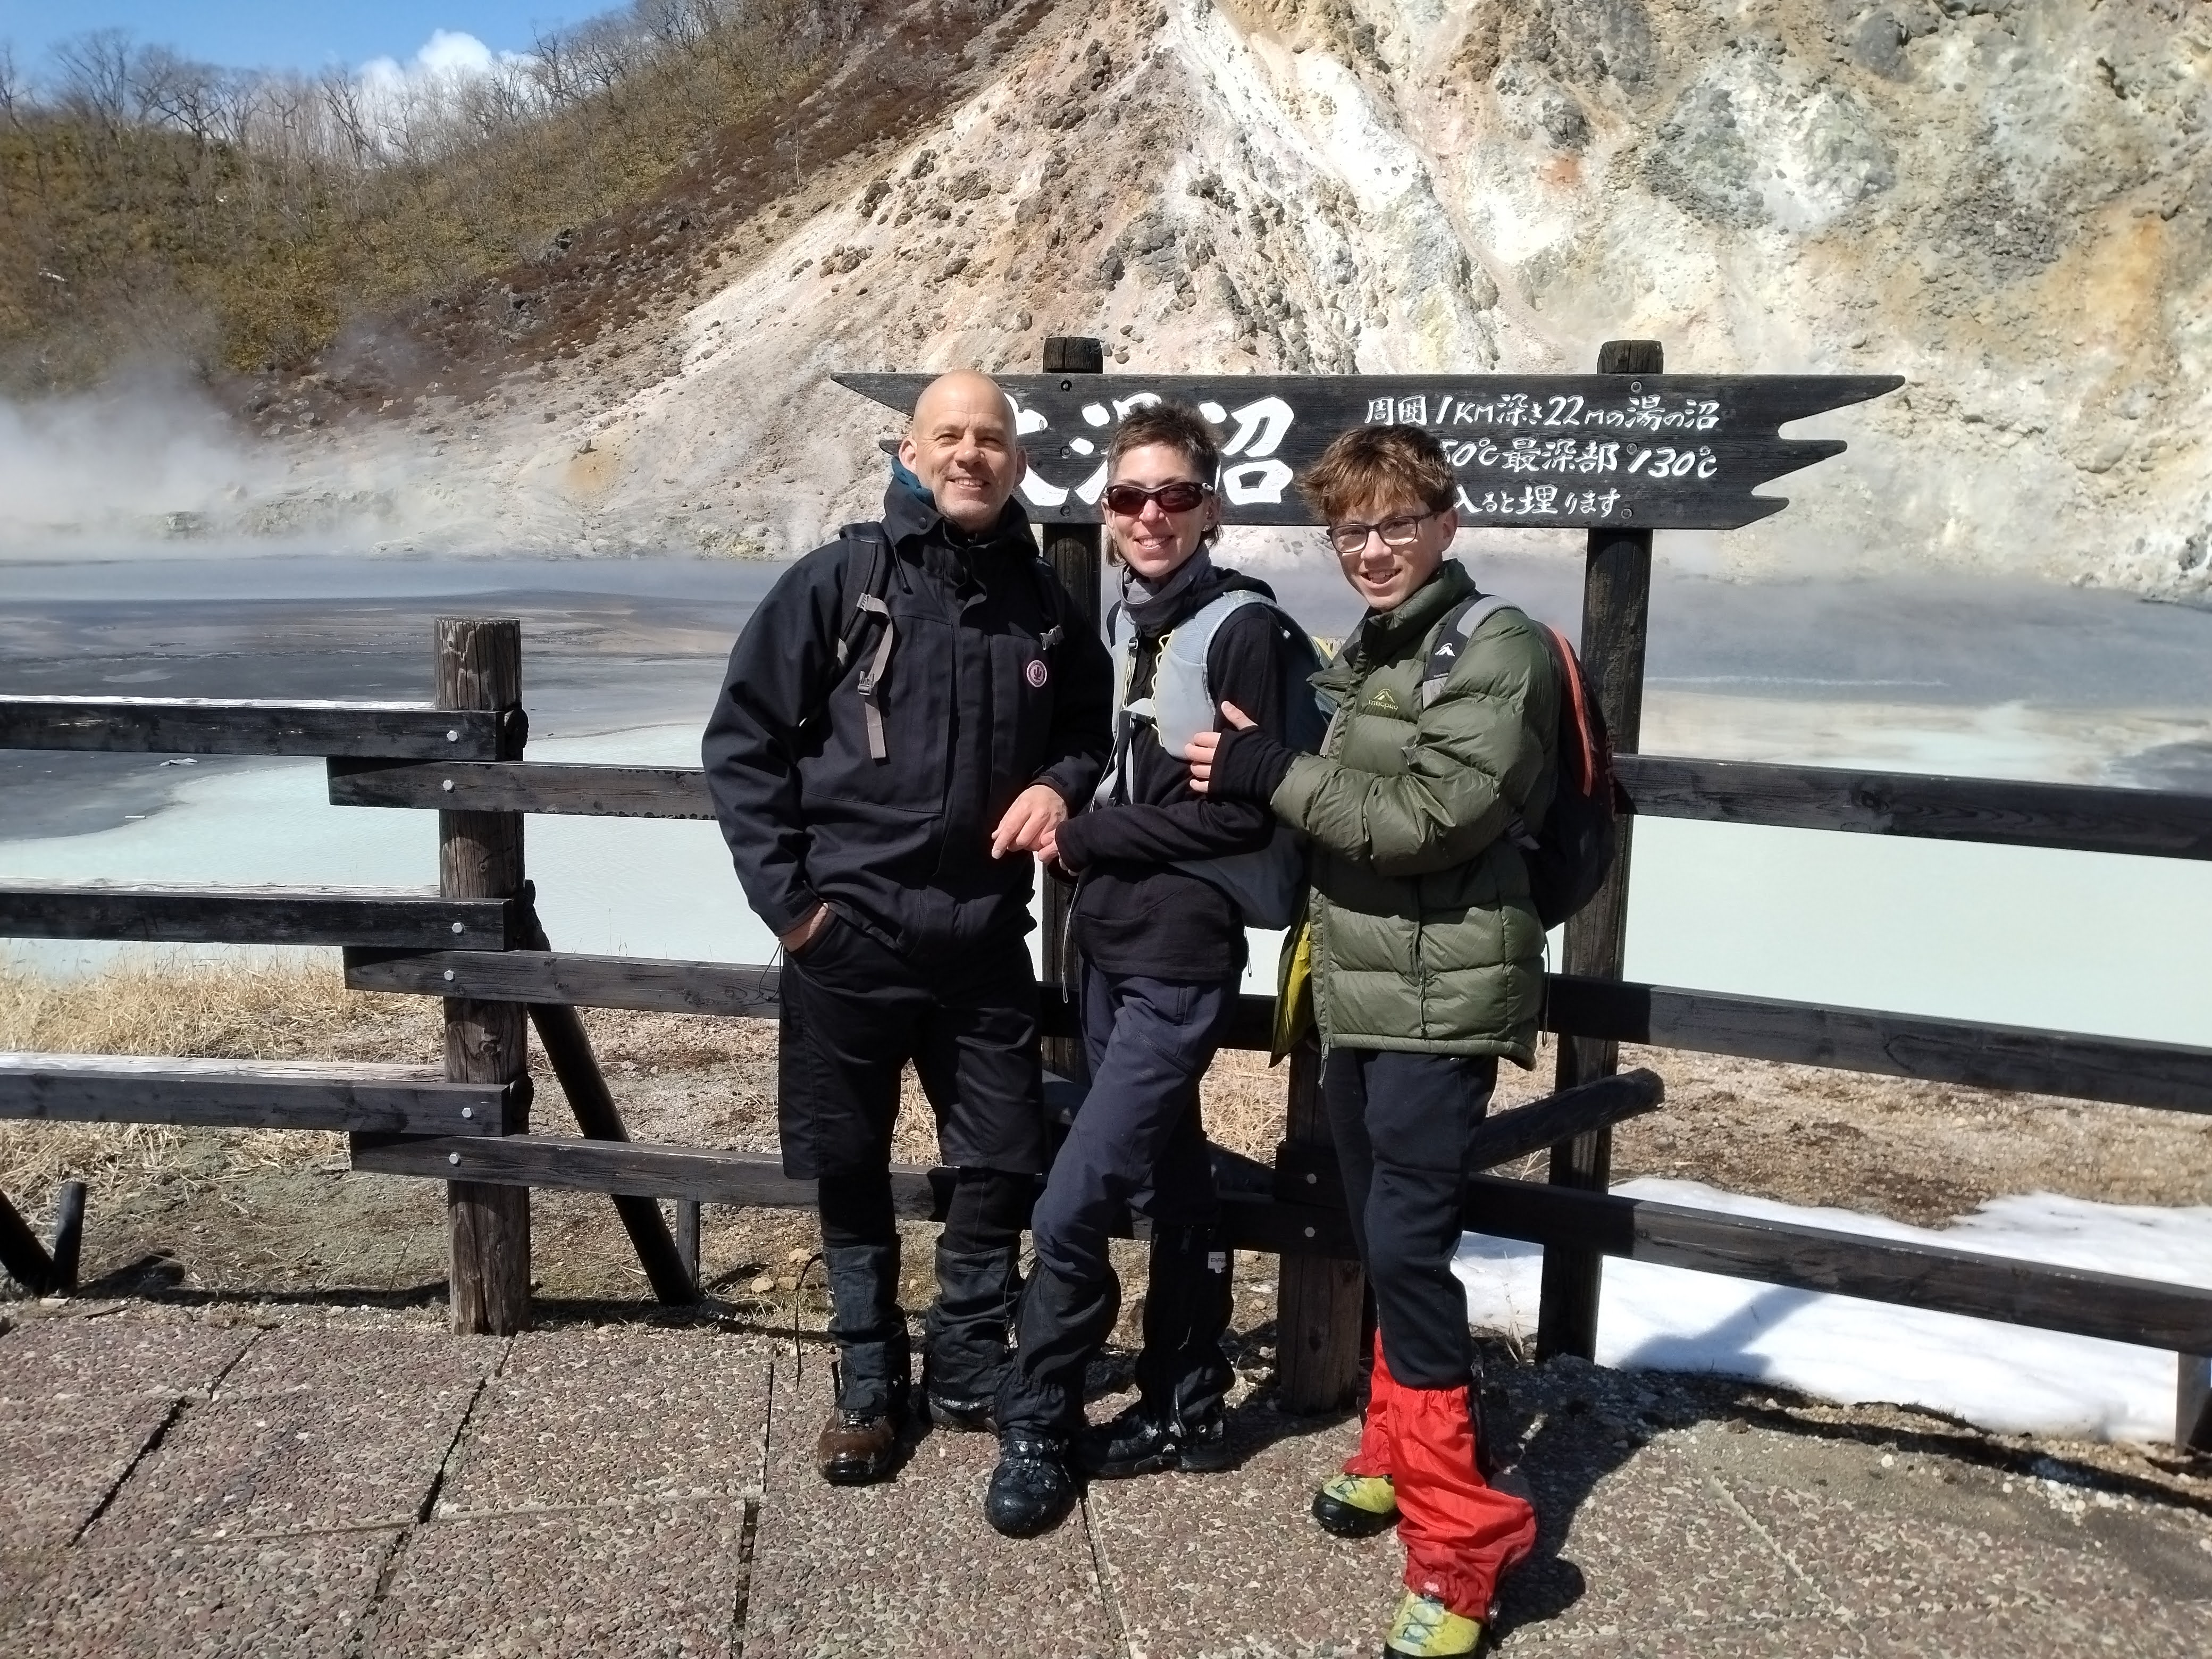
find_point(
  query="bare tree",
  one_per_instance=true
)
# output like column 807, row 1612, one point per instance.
column 96, row 78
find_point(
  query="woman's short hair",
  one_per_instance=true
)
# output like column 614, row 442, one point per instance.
column 1379, row 464
column 1177, row 425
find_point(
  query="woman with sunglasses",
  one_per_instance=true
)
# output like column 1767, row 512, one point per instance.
column 1162, row 949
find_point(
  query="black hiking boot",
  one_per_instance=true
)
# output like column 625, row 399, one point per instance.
column 1030, row 1491
column 963, row 1416
column 1140, row 1440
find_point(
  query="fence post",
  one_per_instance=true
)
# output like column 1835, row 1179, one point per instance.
column 2192, row 1414
column 1075, row 553
column 21, row 1252
column 479, row 665
column 1616, row 614
column 68, row 1234
column 1317, row 1300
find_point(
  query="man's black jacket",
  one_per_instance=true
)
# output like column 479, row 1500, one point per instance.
column 976, row 708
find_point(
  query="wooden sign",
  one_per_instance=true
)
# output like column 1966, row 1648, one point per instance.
column 1653, row 451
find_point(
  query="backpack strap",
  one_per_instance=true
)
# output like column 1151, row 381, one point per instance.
column 869, row 601
column 1450, row 642
column 1450, row 646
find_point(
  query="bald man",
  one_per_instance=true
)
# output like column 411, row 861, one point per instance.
column 908, row 713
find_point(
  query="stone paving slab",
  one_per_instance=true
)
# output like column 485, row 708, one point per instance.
column 269, row 1599
column 1649, row 1544
column 909, row 1567
column 289, row 1461
column 298, row 1358
column 42, row 1360
column 657, row 1579
column 2093, row 1627
column 1877, row 1563
column 53, row 1478
column 584, row 1417
column 1771, row 1639
column 1231, row 1563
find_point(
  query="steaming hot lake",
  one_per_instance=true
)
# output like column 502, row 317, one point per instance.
column 623, row 657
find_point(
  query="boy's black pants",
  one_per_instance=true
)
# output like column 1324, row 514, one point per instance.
column 1401, row 1124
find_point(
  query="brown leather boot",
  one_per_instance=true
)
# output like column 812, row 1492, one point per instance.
column 856, row 1447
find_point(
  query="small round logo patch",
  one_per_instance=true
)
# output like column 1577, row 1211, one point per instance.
column 1037, row 672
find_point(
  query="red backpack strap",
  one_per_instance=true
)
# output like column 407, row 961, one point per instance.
column 1577, row 692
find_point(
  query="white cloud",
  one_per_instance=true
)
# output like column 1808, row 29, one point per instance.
column 449, row 55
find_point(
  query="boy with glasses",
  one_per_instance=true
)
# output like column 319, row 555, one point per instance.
column 1427, row 966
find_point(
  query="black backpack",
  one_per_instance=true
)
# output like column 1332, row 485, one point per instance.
column 1568, row 862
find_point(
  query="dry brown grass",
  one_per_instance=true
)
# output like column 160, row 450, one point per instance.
column 195, row 1009
column 217, row 1011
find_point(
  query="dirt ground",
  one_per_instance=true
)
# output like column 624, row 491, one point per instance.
column 241, row 1219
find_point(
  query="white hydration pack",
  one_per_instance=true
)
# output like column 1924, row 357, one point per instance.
column 1268, row 886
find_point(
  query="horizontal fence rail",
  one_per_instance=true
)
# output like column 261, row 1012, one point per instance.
column 218, row 726
column 578, row 790
column 2049, row 1297
column 2076, row 817
column 2116, row 1071
column 2084, row 1303
column 698, row 1175
column 1994, row 812
column 392, row 917
column 253, row 1094
column 653, row 985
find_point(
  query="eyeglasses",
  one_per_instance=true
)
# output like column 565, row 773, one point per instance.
column 1400, row 531
column 1128, row 500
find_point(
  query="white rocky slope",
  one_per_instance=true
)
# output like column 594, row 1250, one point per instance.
column 2009, row 202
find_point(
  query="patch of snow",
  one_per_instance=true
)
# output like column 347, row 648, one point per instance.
column 2009, row 1378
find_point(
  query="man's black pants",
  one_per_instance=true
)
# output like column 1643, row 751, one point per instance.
column 1138, row 1144
column 854, row 1013
column 1402, row 1123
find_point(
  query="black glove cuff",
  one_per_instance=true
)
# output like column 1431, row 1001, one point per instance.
column 1250, row 765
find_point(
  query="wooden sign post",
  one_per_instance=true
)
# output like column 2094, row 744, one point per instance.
column 1616, row 624
column 1077, row 555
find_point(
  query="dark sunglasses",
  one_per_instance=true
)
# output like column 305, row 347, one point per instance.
column 1128, row 500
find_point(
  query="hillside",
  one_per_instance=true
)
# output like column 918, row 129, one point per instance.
column 2007, row 201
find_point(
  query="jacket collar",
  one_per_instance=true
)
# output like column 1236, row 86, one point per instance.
column 913, row 524
column 1221, row 579
column 1382, row 634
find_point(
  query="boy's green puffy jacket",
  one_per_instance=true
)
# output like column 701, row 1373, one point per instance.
column 1423, row 934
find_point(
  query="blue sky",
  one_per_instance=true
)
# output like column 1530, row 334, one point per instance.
column 285, row 33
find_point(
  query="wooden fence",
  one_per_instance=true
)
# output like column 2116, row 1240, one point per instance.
column 476, row 943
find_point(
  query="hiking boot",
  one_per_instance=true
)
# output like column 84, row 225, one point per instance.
column 1140, row 1441
column 1030, row 1491
column 1357, row 1505
column 1425, row 1628
column 856, row 1447
column 963, row 1416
